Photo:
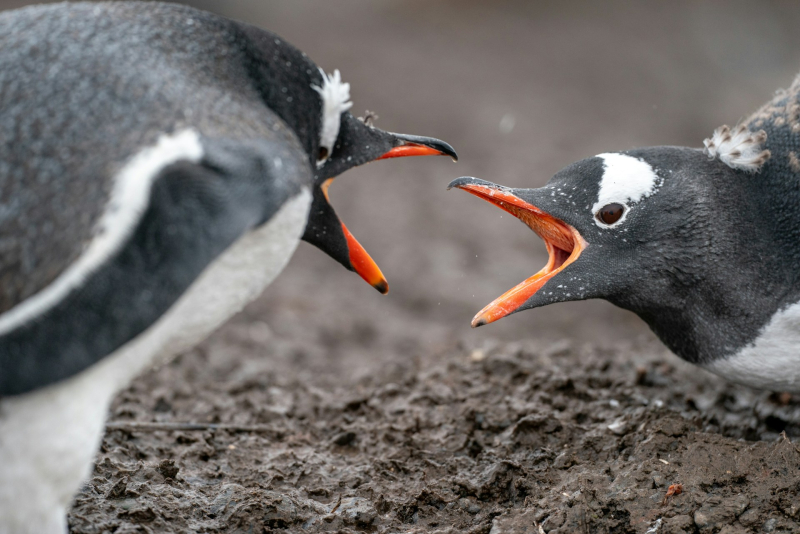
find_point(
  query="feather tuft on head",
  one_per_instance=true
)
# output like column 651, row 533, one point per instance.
column 738, row 148
column 335, row 100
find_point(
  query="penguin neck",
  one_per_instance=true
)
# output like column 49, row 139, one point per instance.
column 283, row 77
column 723, row 294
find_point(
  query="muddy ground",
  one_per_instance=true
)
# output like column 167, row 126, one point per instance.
column 353, row 412
column 507, row 438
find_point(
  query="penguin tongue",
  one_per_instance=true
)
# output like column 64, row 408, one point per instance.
column 564, row 245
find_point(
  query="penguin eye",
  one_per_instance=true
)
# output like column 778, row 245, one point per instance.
column 610, row 213
column 323, row 154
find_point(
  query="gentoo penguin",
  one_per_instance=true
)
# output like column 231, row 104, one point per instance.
column 702, row 244
column 158, row 166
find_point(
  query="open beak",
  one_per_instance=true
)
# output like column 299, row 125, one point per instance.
column 564, row 245
column 360, row 260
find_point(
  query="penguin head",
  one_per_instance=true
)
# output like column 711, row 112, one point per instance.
column 344, row 142
column 653, row 230
column 356, row 144
column 315, row 105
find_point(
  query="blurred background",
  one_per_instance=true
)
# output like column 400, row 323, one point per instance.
column 520, row 89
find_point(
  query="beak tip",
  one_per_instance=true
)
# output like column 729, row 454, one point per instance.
column 382, row 287
column 445, row 149
column 478, row 321
column 458, row 182
column 434, row 147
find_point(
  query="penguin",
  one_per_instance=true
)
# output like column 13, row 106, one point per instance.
column 702, row 244
column 158, row 167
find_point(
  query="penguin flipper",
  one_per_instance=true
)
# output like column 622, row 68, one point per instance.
column 195, row 211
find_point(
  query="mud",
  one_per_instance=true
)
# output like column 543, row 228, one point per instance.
column 509, row 438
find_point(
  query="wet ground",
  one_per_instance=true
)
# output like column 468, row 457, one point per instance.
column 502, row 438
column 342, row 410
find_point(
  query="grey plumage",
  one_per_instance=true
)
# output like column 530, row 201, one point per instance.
column 106, row 79
column 85, row 87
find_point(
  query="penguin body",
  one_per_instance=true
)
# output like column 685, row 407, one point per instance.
column 114, row 140
column 771, row 359
column 158, row 165
column 702, row 244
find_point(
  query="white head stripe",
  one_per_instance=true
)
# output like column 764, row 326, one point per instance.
column 625, row 180
column 129, row 199
column 738, row 148
column 335, row 100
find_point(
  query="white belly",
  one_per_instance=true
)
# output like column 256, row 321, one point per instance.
column 48, row 438
column 773, row 361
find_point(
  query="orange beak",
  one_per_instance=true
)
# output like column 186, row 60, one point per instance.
column 360, row 260
column 411, row 149
column 564, row 246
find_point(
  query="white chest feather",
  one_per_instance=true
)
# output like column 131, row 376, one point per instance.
column 773, row 361
column 48, row 438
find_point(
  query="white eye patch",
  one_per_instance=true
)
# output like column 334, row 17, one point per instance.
column 625, row 180
column 335, row 97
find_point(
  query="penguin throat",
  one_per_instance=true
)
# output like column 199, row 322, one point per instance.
column 564, row 246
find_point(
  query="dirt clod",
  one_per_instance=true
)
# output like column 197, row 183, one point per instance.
column 168, row 469
column 344, row 439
